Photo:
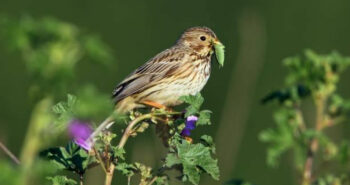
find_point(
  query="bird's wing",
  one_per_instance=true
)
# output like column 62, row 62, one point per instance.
column 162, row 65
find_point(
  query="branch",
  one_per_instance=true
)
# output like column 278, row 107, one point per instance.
column 9, row 153
column 128, row 131
column 313, row 147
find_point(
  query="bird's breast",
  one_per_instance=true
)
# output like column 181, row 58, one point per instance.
column 189, row 79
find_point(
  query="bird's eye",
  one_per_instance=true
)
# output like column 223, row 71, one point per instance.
column 203, row 38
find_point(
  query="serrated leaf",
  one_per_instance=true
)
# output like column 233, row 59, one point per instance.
column 126, row 169
column 61, row 180
column 118, row 152
column 204, row 117
column 195, row 159
column 64, row 112
column 71, row 157
column 281, row 138
column 163, row 180
column 208, row 140
column 171, row 160
column 194, row 101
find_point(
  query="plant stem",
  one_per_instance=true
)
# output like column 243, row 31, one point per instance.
column 9, row 153
column 153, row 180
column 128, row 129
column 100, row 159
column 125, row 137
column 107, row 122
column 127, row 132
column 40, row 118
column 313, row 147
column 81, row 182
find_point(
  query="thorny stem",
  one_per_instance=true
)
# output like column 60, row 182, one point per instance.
column 128, row 131
column 313, row 147
column 9, row 153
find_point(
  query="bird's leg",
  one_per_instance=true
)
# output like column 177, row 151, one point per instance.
column 158, row 106
column 154, row 104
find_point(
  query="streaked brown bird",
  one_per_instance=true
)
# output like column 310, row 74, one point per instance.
column 181, row 70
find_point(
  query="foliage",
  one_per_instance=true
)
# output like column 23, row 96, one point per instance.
column 71, row 157
column 61, row 180
column 194, row 159
column 51, row 49
column 191, row 159
column 316, row 77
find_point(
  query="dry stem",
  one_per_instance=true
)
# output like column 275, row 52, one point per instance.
column 313, row 147
column 9, row 153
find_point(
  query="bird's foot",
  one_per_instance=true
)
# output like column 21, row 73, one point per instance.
column 155, row 105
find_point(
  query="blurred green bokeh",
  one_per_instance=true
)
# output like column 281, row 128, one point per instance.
column 257, row 36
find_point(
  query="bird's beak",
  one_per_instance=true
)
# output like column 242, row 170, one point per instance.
column 216, row 41
column 219, row 51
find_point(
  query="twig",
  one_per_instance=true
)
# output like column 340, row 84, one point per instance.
column 125, row 137
column 106, row 123
column 9, row 153
column 153, row 180
column 110, row 171
column 313, row 147
column 81, row 182
column 129, row 180
column 100, row 159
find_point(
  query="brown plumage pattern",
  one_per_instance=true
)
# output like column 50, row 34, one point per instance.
column 183, row 69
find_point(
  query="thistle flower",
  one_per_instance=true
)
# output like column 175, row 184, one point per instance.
column 80, row 132
column 189, row 125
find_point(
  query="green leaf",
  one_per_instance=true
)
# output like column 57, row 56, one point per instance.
column 64, row 112
column 171, row 160
column 126, row 169
column 71, row 157
column 219, row 53
column 163, row 180
column 282, row 138
column 118, row 152
column 195, row 159
column 204, row 117
column 61, row 180
column 51, row 50
column 208, row 141
column 194, row 101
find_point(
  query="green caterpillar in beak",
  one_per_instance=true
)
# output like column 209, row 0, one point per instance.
column 219, row 52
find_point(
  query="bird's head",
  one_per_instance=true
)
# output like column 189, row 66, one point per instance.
column 202, row 40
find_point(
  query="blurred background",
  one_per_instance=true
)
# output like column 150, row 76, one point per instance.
column 257, row 35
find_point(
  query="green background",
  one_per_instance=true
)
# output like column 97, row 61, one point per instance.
column 257, row 34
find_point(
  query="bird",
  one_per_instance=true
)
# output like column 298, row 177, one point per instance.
column 180, row 70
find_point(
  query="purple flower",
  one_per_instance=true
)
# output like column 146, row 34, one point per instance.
column 80, row 131
column 189, row 125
